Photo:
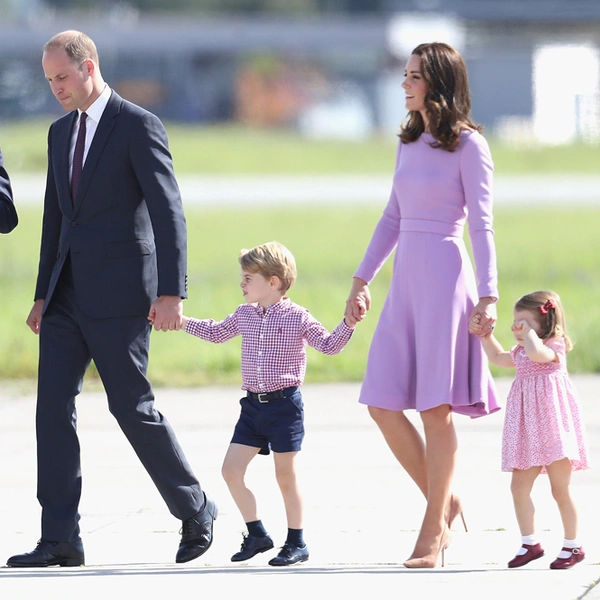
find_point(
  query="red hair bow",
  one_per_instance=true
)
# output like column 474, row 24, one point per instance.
column 549, row 304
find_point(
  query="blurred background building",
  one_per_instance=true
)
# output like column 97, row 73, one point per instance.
column 328, row 68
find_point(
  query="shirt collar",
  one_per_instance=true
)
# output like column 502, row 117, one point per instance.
column 95, row 111
column 283, row 303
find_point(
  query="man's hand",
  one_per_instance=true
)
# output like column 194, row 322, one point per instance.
column 34, row 320
column 165, row 313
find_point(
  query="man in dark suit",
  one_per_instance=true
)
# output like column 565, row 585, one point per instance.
column 8, row 214
column 113, row 261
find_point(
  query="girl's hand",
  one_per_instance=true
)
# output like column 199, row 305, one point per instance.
column 521, row 326
column 535, row 348
column 475, row 324
column 517, row 327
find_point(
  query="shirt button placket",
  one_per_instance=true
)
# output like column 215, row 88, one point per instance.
column 259, row 359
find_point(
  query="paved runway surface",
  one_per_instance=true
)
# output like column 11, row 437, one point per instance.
column 362, row 512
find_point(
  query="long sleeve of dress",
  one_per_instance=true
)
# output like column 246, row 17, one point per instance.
column 476, row 169
column 384, row 238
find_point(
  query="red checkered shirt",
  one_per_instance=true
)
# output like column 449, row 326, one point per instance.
column 273, row 342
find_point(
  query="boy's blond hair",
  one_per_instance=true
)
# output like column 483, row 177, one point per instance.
column 270, row 259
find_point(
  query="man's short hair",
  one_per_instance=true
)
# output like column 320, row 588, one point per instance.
column 78, row 46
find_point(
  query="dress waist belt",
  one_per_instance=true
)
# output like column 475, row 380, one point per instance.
column 427, row 226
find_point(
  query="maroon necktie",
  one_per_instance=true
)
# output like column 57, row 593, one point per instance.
column 78, row 157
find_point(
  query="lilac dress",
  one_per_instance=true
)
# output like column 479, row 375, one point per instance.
column 542, row 422
column 422, row 354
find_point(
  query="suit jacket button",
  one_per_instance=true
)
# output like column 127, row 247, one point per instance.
column 73, row 224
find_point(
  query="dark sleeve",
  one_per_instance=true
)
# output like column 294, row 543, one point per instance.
column 153, row 166
column 51, row 223
column 8, row 213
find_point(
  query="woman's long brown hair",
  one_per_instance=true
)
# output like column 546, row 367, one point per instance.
column 448, row 100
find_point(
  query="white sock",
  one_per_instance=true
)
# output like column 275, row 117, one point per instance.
column 530, row 540
column 568, row 544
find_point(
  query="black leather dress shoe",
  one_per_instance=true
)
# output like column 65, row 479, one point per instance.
column 50, row 554
column 197, row 532
column 251, row 546
column 289, row 555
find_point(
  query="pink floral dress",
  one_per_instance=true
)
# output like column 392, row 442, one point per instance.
column 542, row 421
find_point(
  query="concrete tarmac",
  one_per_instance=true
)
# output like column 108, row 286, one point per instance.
column 362, row 511
column 264, row 190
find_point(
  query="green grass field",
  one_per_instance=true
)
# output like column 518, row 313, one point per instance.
column 234, row 149
column 554, row 248
column 550, row 248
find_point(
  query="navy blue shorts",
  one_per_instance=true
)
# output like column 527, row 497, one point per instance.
column 277, row 424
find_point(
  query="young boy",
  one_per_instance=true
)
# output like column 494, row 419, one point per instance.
column 275, row 332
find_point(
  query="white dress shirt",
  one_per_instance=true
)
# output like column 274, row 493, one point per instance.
column 94, row 113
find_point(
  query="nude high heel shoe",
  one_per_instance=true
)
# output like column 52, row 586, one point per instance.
column 430, row 560
column 455, row 509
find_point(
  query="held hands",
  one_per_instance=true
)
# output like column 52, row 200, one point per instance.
column 166, row 313
column 358, row 302
column 483, row 318
column 359, row 307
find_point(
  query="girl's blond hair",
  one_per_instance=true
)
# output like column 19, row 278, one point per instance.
column 270, row 259
column 547, row 309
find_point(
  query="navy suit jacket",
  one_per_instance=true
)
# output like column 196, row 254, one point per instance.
column 125, row 231
column 8, row 213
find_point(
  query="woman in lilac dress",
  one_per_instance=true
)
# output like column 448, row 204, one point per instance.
column 422, row 356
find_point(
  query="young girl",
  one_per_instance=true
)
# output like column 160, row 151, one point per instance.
column 542, row 426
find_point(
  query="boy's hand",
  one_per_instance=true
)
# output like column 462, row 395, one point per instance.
column 165, row 313
column 355, row 316
column 362, row 307
column 358, row 302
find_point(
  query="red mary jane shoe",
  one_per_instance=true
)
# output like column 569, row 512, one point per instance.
column 532, row 553
column 577, row 555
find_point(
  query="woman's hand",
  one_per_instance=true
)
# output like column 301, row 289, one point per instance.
column 483, row 318
column 358, row 302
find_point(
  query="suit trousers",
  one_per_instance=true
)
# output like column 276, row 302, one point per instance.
column 119, row 348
